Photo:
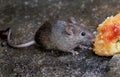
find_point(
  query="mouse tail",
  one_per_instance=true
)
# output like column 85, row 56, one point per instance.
column 20, row 45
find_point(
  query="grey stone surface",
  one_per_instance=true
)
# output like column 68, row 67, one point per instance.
column 26, row 16
column 114, row 67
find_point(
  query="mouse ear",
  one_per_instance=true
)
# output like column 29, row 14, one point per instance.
column 70, row 30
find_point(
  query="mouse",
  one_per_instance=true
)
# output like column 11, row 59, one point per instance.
column 58, row 34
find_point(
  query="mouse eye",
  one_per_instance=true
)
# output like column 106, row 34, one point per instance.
column 83, row 33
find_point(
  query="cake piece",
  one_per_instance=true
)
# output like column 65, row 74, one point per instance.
column 107, row 42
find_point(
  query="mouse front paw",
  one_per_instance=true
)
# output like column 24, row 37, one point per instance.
column 74, row 52
column 85, row 47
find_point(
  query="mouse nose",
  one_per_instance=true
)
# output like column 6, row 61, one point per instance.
column 90, row 36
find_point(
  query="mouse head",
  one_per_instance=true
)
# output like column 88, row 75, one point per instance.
column 78, row 34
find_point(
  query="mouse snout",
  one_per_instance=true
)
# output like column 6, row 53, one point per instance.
column 90, row 36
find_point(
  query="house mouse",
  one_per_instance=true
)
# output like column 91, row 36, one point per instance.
column 58, row 35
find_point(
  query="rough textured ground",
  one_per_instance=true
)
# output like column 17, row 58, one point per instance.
column 114, row 67
column 26, row 16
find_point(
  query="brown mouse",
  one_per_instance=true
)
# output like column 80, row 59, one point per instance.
column 58, row 35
